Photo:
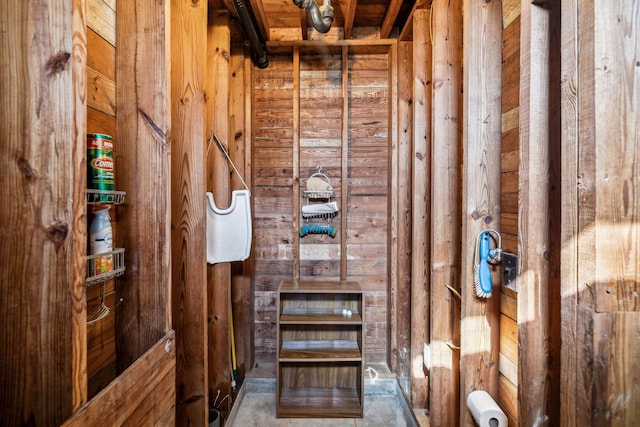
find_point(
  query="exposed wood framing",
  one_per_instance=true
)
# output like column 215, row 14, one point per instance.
column 400, row 303
column 406, row 32
column 43, row 228
column 390, row 18
column 393, row 211
column 538, row 222
column 481, row 193
column 143, row 129
column 349, row 17
column 189, row 289
column 239, row 145
column 248, row 313
column 219, row 173
column 421, row 158
column 446, row 148
column 79, row 209
column 42, row 246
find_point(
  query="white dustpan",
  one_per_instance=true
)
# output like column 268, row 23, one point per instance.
column 229, row 230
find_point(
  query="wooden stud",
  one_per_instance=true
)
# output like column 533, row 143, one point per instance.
column 296, row 163
column 189, row 290
column 421, row 158
column 239, row 145
column 393, row 8
column 446, row 137
column 142, row 130
column 219, row 173
column 393, row 203
column 344, row 162
column 78, row 291
column 349, row 17
column 482, row 28
column 538, row 216
column 43, row 248
column 400, row 304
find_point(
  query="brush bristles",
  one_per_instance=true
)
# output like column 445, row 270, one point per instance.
column 476, row 282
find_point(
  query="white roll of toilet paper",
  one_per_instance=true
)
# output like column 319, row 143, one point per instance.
column 485, row 410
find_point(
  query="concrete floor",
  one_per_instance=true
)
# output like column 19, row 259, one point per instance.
column 384, row 405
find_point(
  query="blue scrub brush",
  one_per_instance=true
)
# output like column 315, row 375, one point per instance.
column 485, row 255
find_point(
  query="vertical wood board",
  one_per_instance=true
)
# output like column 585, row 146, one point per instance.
column 421, row 158
column 219, row 171
column 538, row 301
column 189, row 278
column 401, row 302
column 43, row 338
column 446, row 148
column 142, row 165
column 617, row 134
column 481, row 193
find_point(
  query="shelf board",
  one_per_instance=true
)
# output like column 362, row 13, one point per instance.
column 324, row 316
column 320, row 350
column 320, row 287
column 329, row 402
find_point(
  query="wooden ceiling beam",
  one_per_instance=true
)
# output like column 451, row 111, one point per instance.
column 390, row 18
column 349, row 17
column 406, row 32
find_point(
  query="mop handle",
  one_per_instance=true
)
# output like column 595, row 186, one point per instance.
column 224, row 151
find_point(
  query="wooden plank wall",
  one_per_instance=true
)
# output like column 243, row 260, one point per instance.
column 101, row 118
column 481, row 193
column 368, row 218
column 298, row 113
column 320, row 146
column 43, row 115
column 272, row 170
column 600, row 268
column 510, row 154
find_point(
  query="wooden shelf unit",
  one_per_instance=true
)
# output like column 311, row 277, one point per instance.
column 320, row 353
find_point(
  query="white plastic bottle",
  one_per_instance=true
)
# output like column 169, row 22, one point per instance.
column 100, row 240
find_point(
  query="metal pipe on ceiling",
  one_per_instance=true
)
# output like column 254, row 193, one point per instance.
column 259, row 53
column 321, row 17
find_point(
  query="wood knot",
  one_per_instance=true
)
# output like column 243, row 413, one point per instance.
column 57, row 233
column 57, row 63
column 25, row 169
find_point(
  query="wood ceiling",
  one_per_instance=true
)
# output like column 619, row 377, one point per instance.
column 353, row 19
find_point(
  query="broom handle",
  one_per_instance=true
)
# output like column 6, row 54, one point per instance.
column 224, row 151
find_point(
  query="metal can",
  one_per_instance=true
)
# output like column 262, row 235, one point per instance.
column 100, row 168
